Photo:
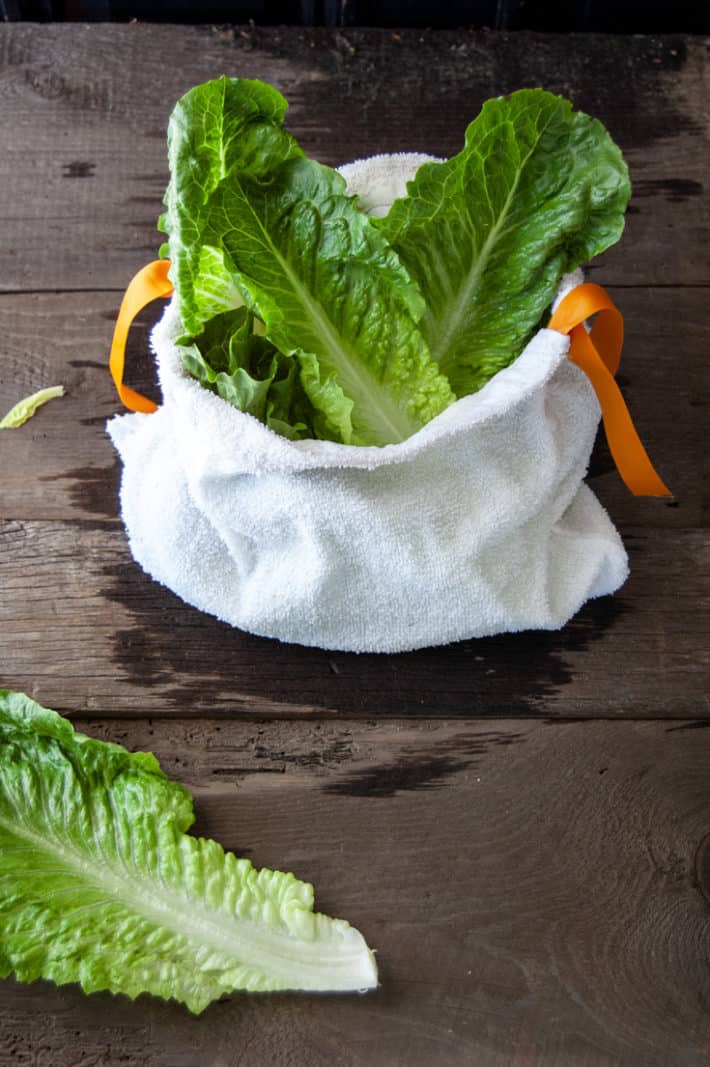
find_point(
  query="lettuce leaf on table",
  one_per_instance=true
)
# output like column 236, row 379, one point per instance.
column 101, row 884
column 538, row 190
column 250, row 219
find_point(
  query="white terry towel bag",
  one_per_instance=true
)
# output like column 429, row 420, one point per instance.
column 478, row 524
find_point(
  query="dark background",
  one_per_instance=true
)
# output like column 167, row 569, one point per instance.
column 602, row 16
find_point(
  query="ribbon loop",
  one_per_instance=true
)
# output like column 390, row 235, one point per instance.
column 148, row 284
column 598, row 354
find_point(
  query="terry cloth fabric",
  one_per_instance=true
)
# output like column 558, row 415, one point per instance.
column 478, row 524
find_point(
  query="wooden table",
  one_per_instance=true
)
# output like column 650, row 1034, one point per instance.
column 518, row 825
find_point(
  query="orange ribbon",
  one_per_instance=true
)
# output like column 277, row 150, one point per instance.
column 597, row 354
column 148, row 284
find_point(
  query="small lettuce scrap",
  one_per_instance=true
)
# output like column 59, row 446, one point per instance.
column 24, row 409
column 101, row 884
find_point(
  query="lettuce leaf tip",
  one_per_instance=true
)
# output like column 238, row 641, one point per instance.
column 537, row 191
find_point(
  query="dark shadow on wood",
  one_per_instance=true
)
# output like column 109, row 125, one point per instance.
column 425, row 769
column 93, row 489
column 510, row 675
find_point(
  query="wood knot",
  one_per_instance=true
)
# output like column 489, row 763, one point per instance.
column 78, row 168
column 702, row 867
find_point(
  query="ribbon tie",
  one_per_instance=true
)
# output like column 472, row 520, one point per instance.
column 598, row 354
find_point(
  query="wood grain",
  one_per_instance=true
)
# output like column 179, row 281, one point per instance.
column 84, row 629
column 531, row 890
column 61, row 465
column 84, row 112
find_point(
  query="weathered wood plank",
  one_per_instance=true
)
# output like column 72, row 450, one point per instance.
column 84, row 108
column 61, row 464
column 537, row 891
column 537, row 894
column 84, row 629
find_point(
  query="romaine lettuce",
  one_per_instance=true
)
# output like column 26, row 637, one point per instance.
column 102, row 885
column 384, row 321
column 279, row 231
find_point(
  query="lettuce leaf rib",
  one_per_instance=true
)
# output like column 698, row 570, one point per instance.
column 102, row 885
column 290, row 261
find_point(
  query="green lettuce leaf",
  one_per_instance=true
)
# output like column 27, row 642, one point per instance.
column 211, row 127
column 233, row 362
column 240, row 365
column 101, row 884
column 278, row 230
column 537, row 190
